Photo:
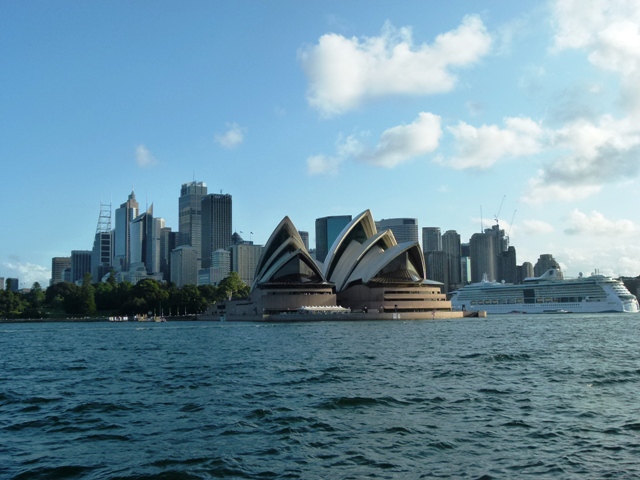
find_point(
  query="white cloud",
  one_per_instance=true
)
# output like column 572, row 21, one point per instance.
column 581, row 24
column 397, row 145
column 597, row 152
column 323, row 165
column 144, row 158
column 609, row 30
column 344, row 72
column 232, row 137
column 580, row 223
column 594, row 152
column 28, row 273
column 405, row 142
column 484, row 146
column 590, row 155
column 629, row 263
column 330, row 165
column 536, row 227
column 350, row 147
column 540, row 191
column 607, row 258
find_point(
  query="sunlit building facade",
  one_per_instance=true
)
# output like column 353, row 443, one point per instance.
column 190, row 215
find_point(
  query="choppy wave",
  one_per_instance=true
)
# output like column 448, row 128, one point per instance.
column 529, row 396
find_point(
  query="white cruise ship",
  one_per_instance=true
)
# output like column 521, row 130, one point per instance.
column 549, row 293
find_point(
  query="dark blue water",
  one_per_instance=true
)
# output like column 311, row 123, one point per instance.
column 553, row 396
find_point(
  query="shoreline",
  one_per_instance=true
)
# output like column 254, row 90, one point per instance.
column 188, row 318
column 270, row 318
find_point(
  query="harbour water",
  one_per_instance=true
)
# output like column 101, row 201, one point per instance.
column 552, row 396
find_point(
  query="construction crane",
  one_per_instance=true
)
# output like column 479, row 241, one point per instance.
column 497, row 215
column 511, row 224
column 508, row 236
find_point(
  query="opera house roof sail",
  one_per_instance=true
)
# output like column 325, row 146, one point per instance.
column 362, row 255
column 361, row 228
column 365, row 273
column 285, row 259
column 401, row 263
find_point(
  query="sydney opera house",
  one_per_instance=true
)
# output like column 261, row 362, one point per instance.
column 366, row 275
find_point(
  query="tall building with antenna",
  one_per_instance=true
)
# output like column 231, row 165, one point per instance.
column 190, row 216
column 102, row 252
column 122, row 238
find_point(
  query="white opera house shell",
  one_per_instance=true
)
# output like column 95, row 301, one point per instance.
column 366, row 274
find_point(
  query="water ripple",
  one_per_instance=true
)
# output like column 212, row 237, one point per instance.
column 521, row 396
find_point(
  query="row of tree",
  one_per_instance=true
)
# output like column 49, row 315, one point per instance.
column 117, row 299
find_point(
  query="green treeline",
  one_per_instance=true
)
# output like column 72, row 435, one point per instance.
column 117, row 299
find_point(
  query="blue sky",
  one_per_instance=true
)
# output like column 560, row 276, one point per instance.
column 309, row 109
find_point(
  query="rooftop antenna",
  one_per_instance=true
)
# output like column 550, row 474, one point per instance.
column 481, row 221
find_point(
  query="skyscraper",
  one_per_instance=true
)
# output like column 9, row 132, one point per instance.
column 404, row 229
column 483, row 256
column 146, row 241
column 452, row 247
column 12, row 284
column 431, row 239
column 544, row 263
column 244, row 260
column 524, row 271
column 190, row 215
column 154, row 244
column 216, row 225
column 102, row 252
column 168, row 241
column 101, row 255
column 58, row 266
column 221, row 265
column 465, row 269
column 507, row 268
column 465, row 263
column 184, row 269
column 501, row 242
column 138, row 238
column 305, row 238
column 437, row 263
column 124, row 215
column 80, row 264
column 327, row 230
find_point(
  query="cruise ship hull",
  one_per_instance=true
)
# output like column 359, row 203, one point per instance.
column 549, row 293
column 547, row 308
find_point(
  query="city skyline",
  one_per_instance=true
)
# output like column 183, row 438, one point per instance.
column 146, row 252
column 526, row 112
